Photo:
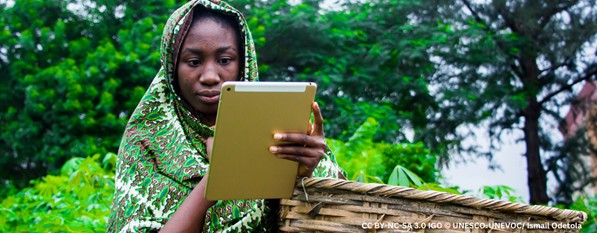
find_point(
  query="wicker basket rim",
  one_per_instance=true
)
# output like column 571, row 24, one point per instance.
column 441, row 197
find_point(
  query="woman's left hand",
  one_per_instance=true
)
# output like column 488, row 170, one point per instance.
column 306, row 148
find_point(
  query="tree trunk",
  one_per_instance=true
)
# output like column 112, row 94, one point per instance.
column 537, row 180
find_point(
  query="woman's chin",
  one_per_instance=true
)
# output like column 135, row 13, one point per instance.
column 204, row 109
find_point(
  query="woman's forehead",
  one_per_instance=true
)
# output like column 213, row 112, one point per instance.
column 211, row 33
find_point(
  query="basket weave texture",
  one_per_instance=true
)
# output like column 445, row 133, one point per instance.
column 332, row 205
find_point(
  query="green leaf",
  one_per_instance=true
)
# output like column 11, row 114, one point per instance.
column 404, row 177
column 109, row 161
column 71, row 166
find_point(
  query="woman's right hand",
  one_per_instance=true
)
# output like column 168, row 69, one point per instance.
column 308, row 148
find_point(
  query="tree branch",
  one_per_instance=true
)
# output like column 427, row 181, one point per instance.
column 552, row 68
column 479, row 20
column 544, row 19
column 591, row 71
column 487, row 29
column 516, row 70
column 475, row 15
column 2, row 62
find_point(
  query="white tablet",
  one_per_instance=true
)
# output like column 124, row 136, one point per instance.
column 249, row 113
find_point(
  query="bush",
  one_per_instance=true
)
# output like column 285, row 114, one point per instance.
column 77, row 200
column 589, row 206
column 378, row 162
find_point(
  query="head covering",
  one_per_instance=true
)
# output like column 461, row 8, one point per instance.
column 162, row 116
column 162, row 155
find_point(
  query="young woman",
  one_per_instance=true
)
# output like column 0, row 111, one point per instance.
column 164, row 154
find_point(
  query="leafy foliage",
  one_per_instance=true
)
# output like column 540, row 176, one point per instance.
column 73, row 72
column 379, row 162
column 501, row 192
column 409, row 165
column 404, row 177
column 365, row 56
column 77, row 200
column 589, row 206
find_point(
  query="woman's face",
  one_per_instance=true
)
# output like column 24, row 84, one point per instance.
column 209, row 57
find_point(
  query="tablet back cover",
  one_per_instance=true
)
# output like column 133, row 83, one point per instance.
column 249, row 113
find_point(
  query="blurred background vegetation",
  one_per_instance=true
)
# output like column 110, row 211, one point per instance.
column 402, row 84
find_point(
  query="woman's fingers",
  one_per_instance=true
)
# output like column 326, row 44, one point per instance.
column 307, row 160
column 318, row 120
column 305, row 148
column 301, row 139
column 297, row 151
column 308, row 156
column 306, row 163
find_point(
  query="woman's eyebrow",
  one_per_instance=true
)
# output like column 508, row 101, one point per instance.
column 199, row 51
column 194, row 51
column 224, row 49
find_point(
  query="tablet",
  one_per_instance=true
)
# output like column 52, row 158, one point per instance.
column 249, row 113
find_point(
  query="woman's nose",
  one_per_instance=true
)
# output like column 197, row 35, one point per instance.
column 209, row 76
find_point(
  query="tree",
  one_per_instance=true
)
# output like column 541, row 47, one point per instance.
column 514, row 64
column 76, row 73
column 73, row 71
column 367, row 58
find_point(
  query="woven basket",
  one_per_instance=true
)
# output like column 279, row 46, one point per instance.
column 331, row 205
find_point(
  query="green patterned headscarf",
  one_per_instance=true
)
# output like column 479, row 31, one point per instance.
column 162, row 153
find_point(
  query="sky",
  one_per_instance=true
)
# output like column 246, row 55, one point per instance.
column 476, row 173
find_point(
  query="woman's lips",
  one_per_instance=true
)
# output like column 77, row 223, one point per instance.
column 209, row 96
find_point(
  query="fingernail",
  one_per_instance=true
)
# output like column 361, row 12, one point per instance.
column 277, row 136
column 273, row 149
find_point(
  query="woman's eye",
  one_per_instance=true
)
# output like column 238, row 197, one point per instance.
column 194, row 62
column 225, row 60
